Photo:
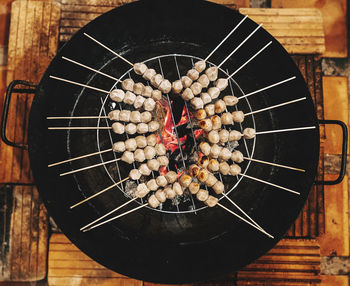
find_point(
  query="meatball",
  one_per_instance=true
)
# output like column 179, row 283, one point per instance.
column 202, row 195
column 125, row 115
column 203, row 175
column 129, row 97
column 211, row 201
column 141, row 191
column 135, row 116
column 153, row 164
column 224, row 168
column 204, row 81
column 144, row 170
column 187, row 94
column 178, row 189
column 161, row 181
column 205, row 148
column 248, row 133
column 148, row 74
column 118, row 128
column 139, row 155
column 193, row 170
column 224, row 135
column 206, row 124
column 216, row 121
column 193, row 74
column 197, row 103
column 150, row 152
column 160, row 149
column 230, row 100
column 135, row 174
column 235, row 135
column 117, row 95
column 210, row 109
column 149, row 104
column 196, row 88
column 140, row 68
column 238, row 116
column 142, row 128
column 156, row 80
column 194, row 188
column 211, row 181
column 225, row 154
column 219, row 187
column 153, row 126
column 227, row 118
column 201, row 114
column 205, row 97
column 146, row 116
column 119, row 146
column 114, row 115
column 215, row 151
column 153, row 201
column 128, row 157
column 156, row 95
column 221, row 83
column 165, row 86
column 186, row 81
column 139, row 101
column 138, row 87
column 235, row 169
column 169, row 192
column 213, row 137
column 130, row 144
column 213, row 165
column 171, row 177
column 220, row 106
column 214, row 92
column 130, row 128
column 160, row 195
column 203, row 162
column 152, row 185
column 237, row 157
column 177, row 86
column 151, row 140
column 185, row 180
column 200, row 66
column 147, row 91
column 212, row 73
column 128, row 84
column 163, row 160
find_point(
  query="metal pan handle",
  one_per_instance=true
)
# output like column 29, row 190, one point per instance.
column 29, row 89
column 343, row 155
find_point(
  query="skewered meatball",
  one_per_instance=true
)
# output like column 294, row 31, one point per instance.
column 178, row 189
column 135, row 116
column 163, row 160
column 141, row 141
column 215, row 151
column 211, row 201
column 151, row 140
column 210, row 109
column 160, row 149
column 230, row 100
column 125, row 115
column 213, row 165
column 205, row 97
column 221, row 83
column 196, row 88
column 237, row 157
column 186, row 81
column 200, row 66
column 216, row 121
column 114, row 115
column 118, row 128
column 153, row 126
column 214, row 92
column 204, row 80
column 197, row 103
column 128, row 84
column 128, row 157
column 146, row 116
column 142, row 128
column 203, row 175
column 165, row 86
column 206, row 125
column 160, row 195
column 211, row 181
column 138, row 87
column 156, row 80
column 117, row 95
column 119, row 146
column 238, row 116
column 171, row 177
column 203, row 162
column 224, row 168
column 187, row 94
column 193, row 170
column 139, row 101
column 235, row 135
column 177, row 86
column 149, row 104
column 161, row 181
column 130, row 144
column 141, row 191
column 148, row 74
column 156, row 94
column 227, row 118
column 219, row 187
column 185, row 180
column 213, row 137
column 150, row 152
column 139, row 155
column 129, row 97
column 202, row 195
column 212, row 73
column 235, row 169
column 249, row 133
column 205, row 148
column 131, row 128
column 225, row 154
column 153, row 201
column 135, row 174
column 220, row 106
column 201, row 114
column 147, row 91
column 153, row 164
column 169, row 192
column 152, row 185
column 140, row 68
column 193, row 74
column 144, row 170
column 194, row 188
column 224, row 135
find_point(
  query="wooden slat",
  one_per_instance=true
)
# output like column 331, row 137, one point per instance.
column 27, row 237
column 300, row 31
column 32, row 44
column 334, row 19
column 332, row 280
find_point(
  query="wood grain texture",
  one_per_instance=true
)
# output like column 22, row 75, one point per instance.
column 27, row 239
column 332, row 280
column 32, row 44
column 299, row 31
column 334, row 20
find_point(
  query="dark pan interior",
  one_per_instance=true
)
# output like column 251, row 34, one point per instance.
column 154, row 246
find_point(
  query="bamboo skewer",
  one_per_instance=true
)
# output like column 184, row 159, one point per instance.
column 273, row 164
column 89, row 167
column 228, row 35
column 99, row 193
column 80, row 128
column 248, row 61
column 76, row 117
column 268, row 183
column 80, row 157
column 285, row 130
column 241, row 44
column 267, row 87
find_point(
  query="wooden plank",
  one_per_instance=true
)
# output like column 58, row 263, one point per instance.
column 332, row 280
column 28, row 237
column 300, row 32
column 334, row 19
column 32, row 44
